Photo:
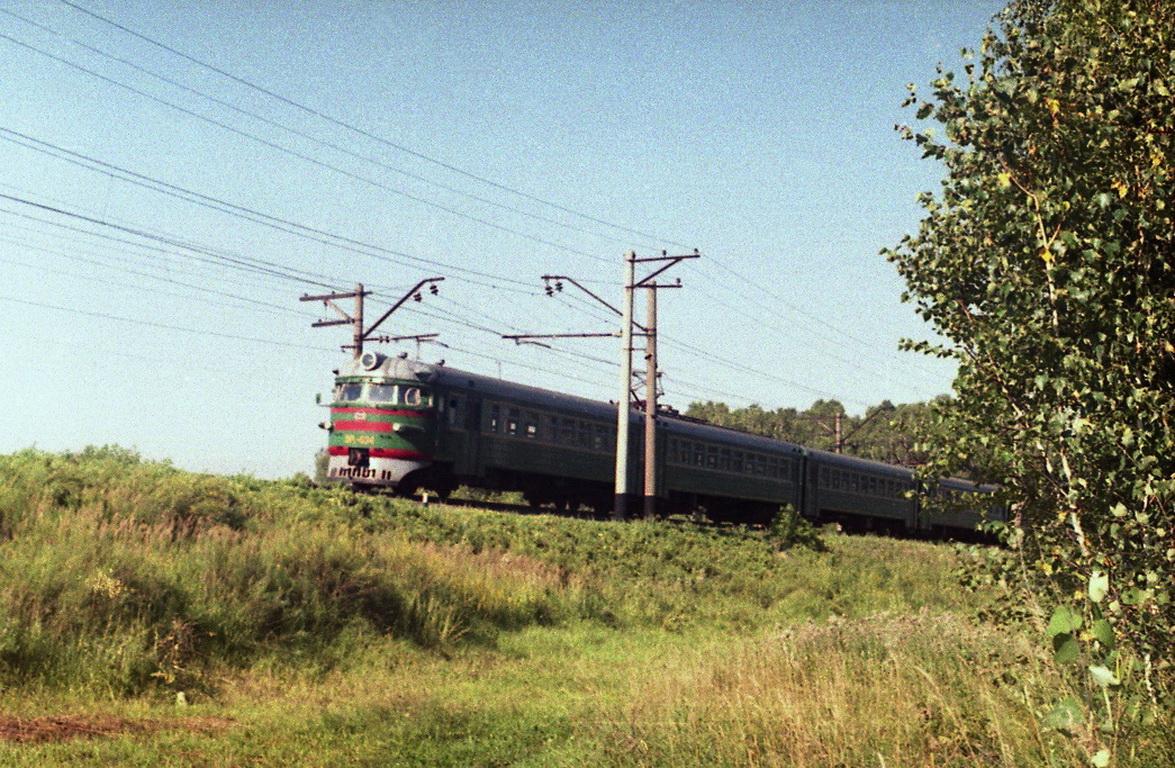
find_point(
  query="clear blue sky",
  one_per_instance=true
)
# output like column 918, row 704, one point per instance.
column 761, row 134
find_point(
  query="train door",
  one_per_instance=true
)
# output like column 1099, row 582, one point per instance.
column 662, row 459
column 811, row 508
column 473, row 427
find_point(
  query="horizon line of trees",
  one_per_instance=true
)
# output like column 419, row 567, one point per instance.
column 885, row 432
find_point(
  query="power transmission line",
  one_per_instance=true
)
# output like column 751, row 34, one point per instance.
column 154, row 324
column 288, row 226
column 366, row 180
column 273, row 308
column 295, row 153
column 455, row 169
column 258, row 265
column 368, row 134
column 310, row 137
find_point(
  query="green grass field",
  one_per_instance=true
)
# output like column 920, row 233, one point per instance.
column 150, row 616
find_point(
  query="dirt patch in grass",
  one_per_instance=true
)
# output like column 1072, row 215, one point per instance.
column 52, row 728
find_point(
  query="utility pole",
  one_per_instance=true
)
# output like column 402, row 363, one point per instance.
column 620, row 496
column 622, row 489
column 838, row 443
column 649, row 283
column 359, row 334
column 651, row 404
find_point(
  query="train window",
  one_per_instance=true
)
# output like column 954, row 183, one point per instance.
column 712, row 457
column 495, row 416
column 567, row 431
column 772, row 466
column 585, row 434
column 553, row 428
column 512, row 421
column 836, row 479
column 737, row 462
column 673, row 449
column 412, row 396
column 454, row 415
column 350, row 392
column 825, row 481
column 724, row 462
column 381, row 393
column 600, row 438
column 699, row 455
column 532, row 425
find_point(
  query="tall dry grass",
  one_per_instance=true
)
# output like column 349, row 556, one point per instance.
column 886, row 691
column 117, row 575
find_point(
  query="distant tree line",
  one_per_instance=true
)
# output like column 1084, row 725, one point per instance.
column 885, row 432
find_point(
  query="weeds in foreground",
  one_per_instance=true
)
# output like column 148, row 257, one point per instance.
column 885, row 690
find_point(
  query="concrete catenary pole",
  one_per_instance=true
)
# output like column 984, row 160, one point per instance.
column 620, row 500
column 358, row 322
column 651, row 404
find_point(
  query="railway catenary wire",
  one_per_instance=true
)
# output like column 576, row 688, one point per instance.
column 793, row 383
column 153, row 289
column 366, row 133
column 244, row 262
column 301, row 155
column 167, row 326
column 267, row 307
column 476, row 326
column 248, row 214
column 670, row 340
column 315, row 139
column 452, row 319
column 269, row 220
column 445, row 316
column 450, row 167
column 161, row 259
column 869, row 348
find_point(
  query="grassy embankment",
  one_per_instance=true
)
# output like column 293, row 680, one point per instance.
column 313, row 627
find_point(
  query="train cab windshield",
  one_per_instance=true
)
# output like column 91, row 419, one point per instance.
column 382, row 393
column 349, row 392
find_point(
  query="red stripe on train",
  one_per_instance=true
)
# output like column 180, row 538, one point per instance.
column 363, row 426
column 379, row 411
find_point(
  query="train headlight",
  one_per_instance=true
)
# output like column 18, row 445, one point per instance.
column 371, row 360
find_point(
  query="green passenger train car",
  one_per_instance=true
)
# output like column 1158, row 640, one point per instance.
column 402, row 424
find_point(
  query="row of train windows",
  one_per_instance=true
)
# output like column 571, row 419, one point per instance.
column 855, row 482
column 696, row 454
column 561, row 430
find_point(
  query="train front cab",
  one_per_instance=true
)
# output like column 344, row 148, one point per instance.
column 382, row 423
